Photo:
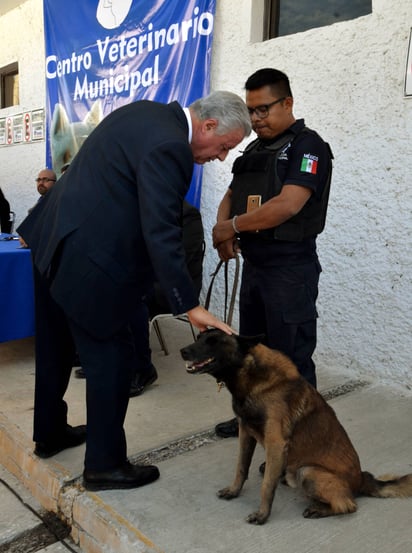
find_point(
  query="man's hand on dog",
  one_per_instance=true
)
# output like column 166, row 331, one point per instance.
column 202, row 319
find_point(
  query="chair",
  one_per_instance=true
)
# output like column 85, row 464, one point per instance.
column 12, row 221
column 230, row 298
column 229, row 303
column 154, row 324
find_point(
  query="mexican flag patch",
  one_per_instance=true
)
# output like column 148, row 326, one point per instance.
column 309, row 164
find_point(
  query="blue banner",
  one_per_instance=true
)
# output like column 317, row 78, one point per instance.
column 104, row 54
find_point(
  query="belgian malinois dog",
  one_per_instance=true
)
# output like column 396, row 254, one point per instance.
column 305, row 445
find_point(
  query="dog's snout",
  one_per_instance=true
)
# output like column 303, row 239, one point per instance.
column 184, row 352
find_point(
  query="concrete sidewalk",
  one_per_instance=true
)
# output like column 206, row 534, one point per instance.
column 171, row 425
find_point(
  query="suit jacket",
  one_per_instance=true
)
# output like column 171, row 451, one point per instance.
column 113, row 220
column 194, row 247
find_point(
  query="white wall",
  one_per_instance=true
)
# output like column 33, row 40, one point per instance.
column 21, row 39
column 348, row 82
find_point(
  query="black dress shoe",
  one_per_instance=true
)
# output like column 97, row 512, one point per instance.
column 227, row 429
column 142, row 380
column 79, row 373
column 71, row 437
column 126, row 477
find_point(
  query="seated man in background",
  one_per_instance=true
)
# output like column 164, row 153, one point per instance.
column 45, row 180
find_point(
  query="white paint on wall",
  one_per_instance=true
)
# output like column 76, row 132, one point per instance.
column 348, row 83
column 21, row 40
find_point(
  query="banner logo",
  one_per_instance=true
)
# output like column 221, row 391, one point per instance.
column 111, row 13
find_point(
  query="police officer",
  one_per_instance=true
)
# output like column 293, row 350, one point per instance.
column 272, row 212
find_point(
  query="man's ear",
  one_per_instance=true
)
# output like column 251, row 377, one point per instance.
column 288, row 102
column 209, row 124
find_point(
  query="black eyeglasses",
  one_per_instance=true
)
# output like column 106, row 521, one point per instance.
column 41, row 179
column 263, row 110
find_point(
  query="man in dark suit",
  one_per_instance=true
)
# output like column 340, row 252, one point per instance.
column 100, row 237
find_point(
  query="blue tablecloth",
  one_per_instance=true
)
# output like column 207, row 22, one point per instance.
column 16, row 291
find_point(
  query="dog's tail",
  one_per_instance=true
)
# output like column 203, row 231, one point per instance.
column 386, row 486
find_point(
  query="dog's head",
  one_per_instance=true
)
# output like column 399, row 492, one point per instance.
column 218, row 353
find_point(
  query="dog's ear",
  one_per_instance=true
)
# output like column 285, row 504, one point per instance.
column 247, row 342
column 94, row 116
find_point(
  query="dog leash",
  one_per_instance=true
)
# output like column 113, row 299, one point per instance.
column 228, row 312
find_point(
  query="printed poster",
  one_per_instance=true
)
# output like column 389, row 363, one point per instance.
column 105, row 54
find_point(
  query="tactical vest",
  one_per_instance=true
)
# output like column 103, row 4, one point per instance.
column 255, row 172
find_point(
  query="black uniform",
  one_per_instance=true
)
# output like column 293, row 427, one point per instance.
column 281, row 268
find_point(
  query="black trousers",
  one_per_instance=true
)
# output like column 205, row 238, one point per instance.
column 139, row 325
column 54, row 351
column 280, row 302
column 108, row 364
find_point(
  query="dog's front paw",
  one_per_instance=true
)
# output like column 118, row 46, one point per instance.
column 228, row 493
column 312, row 512
column 257, row 518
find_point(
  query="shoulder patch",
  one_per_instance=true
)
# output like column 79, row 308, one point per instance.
column 309, row 164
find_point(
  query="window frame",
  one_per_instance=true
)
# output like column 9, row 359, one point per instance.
column 271, row 20
column 6, row 90
column 271, row 16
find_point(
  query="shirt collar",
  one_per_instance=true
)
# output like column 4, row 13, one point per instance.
column 189, row 122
